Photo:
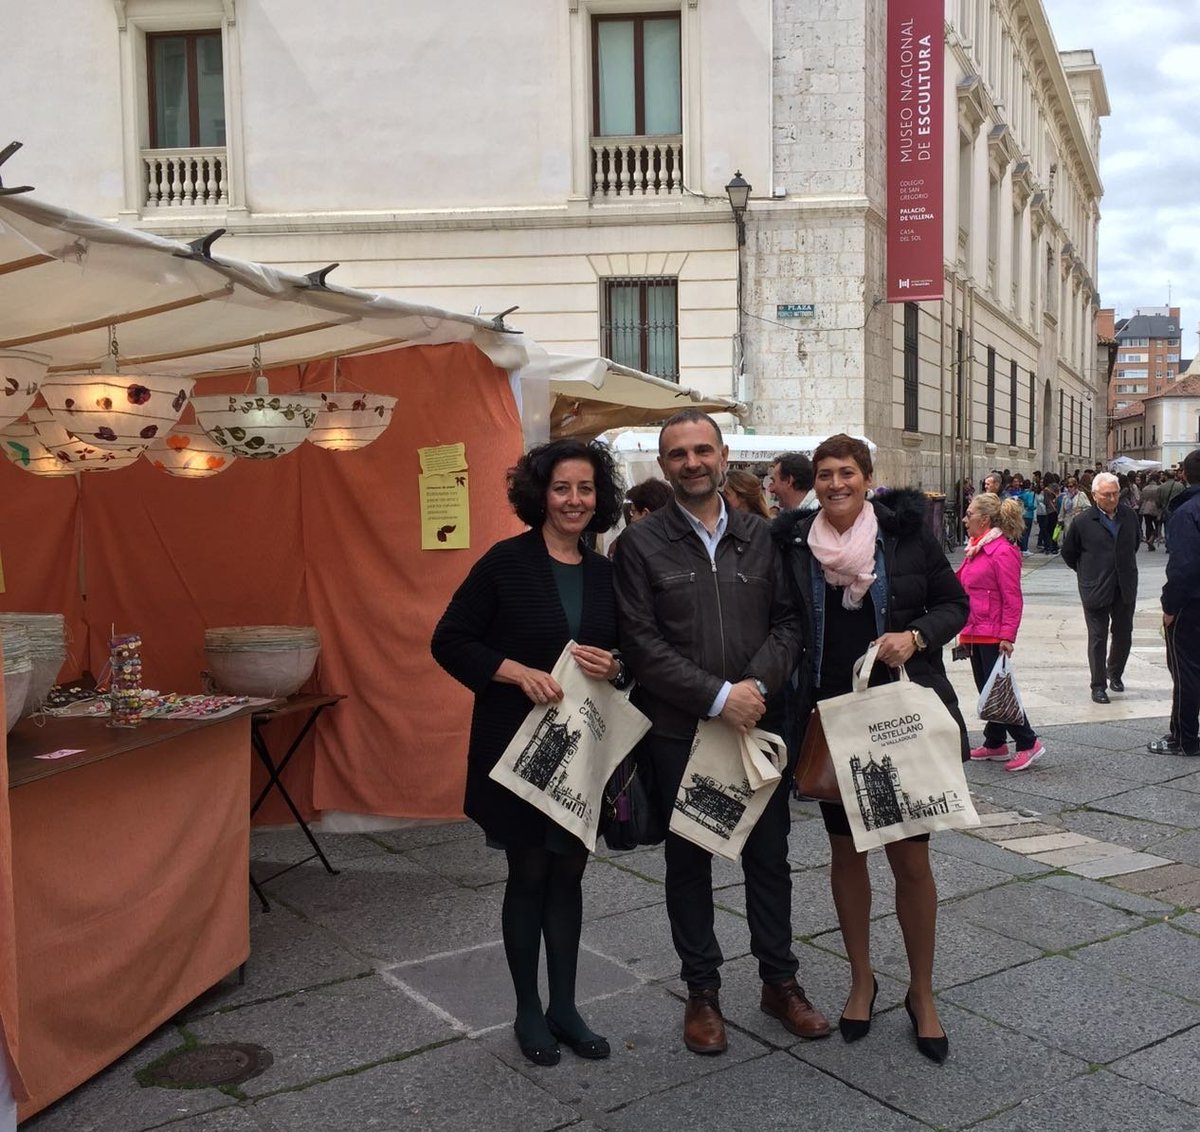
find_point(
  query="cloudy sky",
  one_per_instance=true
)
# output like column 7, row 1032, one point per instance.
column 1149, row 149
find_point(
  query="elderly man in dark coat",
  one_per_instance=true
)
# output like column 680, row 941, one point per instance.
column 1101, row 547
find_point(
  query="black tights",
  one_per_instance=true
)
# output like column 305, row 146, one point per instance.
column 544, row 899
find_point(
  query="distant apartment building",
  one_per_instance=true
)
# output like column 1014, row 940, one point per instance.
column 1162, row 426
column 572, row 158
column 1148, row 358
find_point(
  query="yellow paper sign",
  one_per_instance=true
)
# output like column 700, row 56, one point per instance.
column 444, row 458
column 445, row 511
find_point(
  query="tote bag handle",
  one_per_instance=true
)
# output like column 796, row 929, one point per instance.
column 864, row 665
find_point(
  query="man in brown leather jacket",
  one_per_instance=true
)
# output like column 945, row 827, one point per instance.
column 709, row 629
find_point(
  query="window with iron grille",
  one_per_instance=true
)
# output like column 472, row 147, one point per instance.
column 911, row 357
column 1012, row 404
column 1032, row 405
column 991, row 395
column 640, row 324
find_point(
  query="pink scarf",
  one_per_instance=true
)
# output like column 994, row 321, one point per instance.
column 847, row 559
column 977, row 544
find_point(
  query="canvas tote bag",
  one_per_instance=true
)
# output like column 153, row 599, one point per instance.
column 563, row 754
column 1000, row 700
column 727, row 783
column 898, row 756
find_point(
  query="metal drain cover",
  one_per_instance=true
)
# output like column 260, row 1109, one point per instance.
column 223, row 1063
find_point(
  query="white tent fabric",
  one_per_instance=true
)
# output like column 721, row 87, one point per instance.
column 1129, row 464
column 560, row 391
column 65, row 278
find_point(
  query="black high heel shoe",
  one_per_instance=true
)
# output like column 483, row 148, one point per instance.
column 539, row 1055
column 852, row 1029
column 594, row 1049
column 936, row 1049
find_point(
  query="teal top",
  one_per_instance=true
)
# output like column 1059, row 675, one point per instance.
column 569, row 581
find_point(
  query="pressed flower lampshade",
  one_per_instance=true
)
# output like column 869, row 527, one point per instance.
column 20, row 375
column 77, row 454
column 116, row 410
column 23, row 447
column 351, row 420
column 189, row 452
column 257, row 426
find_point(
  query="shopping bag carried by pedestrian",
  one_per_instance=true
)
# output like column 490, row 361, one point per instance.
column 727, row 783
column 897, row 751
column 631, row 813
column 1000, row 700
column 563, row 754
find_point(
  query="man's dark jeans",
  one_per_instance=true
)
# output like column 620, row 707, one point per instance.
column 689, row 882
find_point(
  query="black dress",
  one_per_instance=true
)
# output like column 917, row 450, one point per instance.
column 508, row 607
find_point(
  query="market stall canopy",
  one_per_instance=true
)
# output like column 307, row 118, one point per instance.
column 1129, row 464
column 565, row 395
column 179, row 309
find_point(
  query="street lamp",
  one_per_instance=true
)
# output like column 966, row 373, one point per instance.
column 738, row 191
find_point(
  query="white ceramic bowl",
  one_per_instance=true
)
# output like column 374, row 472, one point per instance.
column 272, row 672
column 16, row 692
column 349, row 420
column 189, row 452
column 116, row 410
column 20, row 375
column 258, row 426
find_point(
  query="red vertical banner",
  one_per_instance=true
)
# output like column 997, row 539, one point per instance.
column 915, row 141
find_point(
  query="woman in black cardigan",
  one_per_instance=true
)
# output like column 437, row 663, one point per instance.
column 504, row 629
column 868, row 571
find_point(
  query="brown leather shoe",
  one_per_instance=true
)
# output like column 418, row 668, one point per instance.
column 703, row 1026
column 786, row 1002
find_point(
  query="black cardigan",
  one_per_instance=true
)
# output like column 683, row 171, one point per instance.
column 1105, row 567
column 508, row 608
column 923, row 594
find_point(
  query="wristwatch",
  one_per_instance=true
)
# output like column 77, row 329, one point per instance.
column 919, row 640
column 762, row 688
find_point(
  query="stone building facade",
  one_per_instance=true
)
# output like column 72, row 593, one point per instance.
column 570, row 157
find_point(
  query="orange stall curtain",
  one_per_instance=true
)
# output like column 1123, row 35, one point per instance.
column 330, row 539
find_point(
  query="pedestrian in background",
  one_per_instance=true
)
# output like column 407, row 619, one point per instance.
column 991, row 575
column 1071, row 503
column 791, row 481
column 743, row 491
column 1181, row 617
column 1019, row 490
column 1149, row 509
column 1172, row 487
column 1047, row 518
column 1101, row 547
column 502, row 633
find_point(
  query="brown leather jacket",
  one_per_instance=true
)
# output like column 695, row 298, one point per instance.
column 688, row 624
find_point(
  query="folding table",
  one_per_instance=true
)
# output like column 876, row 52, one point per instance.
column 314, row 703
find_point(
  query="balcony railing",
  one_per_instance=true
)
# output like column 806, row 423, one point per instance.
column 637, row 166
column 185, row 178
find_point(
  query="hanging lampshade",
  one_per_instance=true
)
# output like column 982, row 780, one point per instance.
column 116, row 410
column 23, row 447
column 77, row 454
column 349, row 420
column 189, row 452
column 20, row 375
column 257, row 426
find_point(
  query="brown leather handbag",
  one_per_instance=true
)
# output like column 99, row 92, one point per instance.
column 815, row 776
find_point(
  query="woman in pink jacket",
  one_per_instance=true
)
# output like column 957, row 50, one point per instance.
column 991, row 575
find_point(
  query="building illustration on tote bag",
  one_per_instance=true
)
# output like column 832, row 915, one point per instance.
column 883, row 801
column 718, row 806
column 545, row 760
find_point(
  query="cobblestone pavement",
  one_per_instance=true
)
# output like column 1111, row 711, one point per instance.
column 1068, row 968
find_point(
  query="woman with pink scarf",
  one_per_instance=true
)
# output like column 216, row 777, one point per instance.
column 867, row 571
column 991, row 575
